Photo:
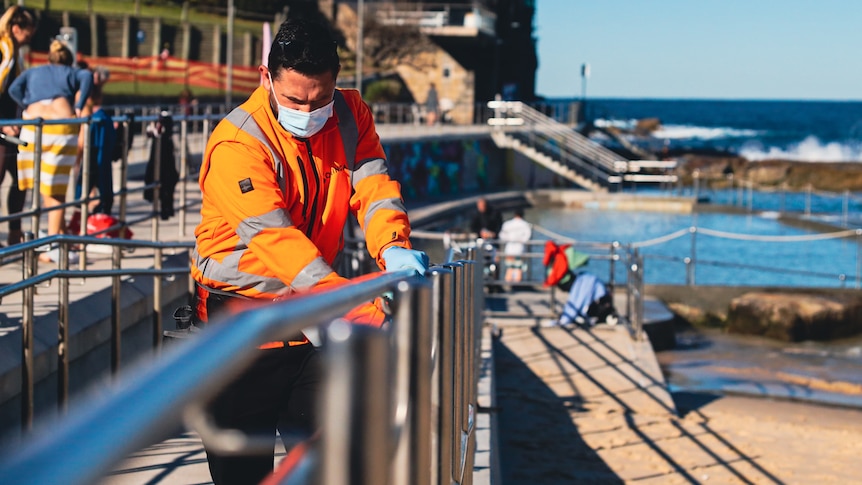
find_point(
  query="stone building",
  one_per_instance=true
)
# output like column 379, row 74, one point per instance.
column 471, row 50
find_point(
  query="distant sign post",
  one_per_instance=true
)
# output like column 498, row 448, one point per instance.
column 585, row 73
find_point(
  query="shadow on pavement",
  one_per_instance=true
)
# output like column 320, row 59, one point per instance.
column 538, row 442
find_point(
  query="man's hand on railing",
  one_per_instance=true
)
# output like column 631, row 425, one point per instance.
column 396, row 258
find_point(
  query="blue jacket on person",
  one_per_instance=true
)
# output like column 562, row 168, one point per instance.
column 52, row 81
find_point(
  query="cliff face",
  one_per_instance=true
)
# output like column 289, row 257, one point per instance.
column 720, row 171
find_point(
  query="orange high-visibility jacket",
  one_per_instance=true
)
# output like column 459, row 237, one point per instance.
column 275, row 206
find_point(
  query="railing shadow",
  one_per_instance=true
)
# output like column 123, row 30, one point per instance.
column 726, row 455
column 538, row 441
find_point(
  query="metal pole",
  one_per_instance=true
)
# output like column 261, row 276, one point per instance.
column 444, row 309
column 157, row 183
column 63, row 333
column 858, row 258
column 184, row 147
column 457, row 368
column 116, row 259
column 808, row 200
column 228, row 96
column 615, row 246
column 36, row 200
column 27, row 347
column 690, row 279
column 124, row 168
column 360, row 15
column 157, row 299
column 356, row 438
column 846, row 207
column 414, row 447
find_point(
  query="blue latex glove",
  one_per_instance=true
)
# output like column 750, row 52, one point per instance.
column 396, row 258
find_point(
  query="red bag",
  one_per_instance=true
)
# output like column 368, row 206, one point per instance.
column 97, row 223
column 100, row 222
column 556, row 264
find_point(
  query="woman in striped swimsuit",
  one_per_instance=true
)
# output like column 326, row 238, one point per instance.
column 48, row 92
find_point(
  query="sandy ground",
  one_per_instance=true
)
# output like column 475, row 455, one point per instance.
column 561, row 423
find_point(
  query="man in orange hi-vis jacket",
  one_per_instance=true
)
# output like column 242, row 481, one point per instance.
column 280, row 175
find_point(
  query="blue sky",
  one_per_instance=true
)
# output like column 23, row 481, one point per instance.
column 708, row 49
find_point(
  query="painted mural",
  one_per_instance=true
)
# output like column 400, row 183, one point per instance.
column 442, row 168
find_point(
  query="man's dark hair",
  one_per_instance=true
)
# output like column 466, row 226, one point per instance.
column 305, row 45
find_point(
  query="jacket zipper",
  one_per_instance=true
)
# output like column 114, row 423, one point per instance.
column 313, row 216
column 305, row 192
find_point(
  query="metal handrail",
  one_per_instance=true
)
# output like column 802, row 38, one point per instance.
column 431, row 313
column 32, row 279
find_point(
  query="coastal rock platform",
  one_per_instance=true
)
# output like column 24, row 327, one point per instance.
column 794, row 317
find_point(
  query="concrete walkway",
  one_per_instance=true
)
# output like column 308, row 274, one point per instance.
column 590, row 406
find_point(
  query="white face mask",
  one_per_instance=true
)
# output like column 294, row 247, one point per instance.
column 300, row 123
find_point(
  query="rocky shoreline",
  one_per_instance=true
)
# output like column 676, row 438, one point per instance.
column 724, row 170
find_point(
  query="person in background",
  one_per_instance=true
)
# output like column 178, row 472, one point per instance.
column 486, row 222
column 17, row 26
column 432, row 105
column 280, row 176
column 162, row 152
column 515, row 233
column 187, row 101
column 103, row 138
column 48, row 92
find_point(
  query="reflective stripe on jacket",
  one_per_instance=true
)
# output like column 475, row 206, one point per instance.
column 275, row 206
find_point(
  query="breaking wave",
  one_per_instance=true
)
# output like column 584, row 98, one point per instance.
column 811, row 149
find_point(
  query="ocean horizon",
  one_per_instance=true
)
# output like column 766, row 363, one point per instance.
column 799, row 130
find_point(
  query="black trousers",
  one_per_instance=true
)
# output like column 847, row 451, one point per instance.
column 278, row 391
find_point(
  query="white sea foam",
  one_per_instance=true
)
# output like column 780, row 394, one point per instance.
column 811, row 149
column 686, row 132
column 680, row 132
column 621, row 124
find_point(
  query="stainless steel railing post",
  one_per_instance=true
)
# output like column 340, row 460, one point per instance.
column 356, row 438
column 413, row 449
column 116, row 329
column 124, row 169
column 36, row 199
column 184, row 146
column 473, row 280
column 615, row 246
column 441, row 392
column 157, row 299
column 63, row 332
column 157, row 165
column 691, row 262
column 27, row 347
column 457, row 367
column 85, row 186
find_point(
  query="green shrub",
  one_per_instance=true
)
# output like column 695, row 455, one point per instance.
column 382, row 91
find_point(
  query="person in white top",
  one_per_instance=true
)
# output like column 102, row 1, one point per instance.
column 515, row 232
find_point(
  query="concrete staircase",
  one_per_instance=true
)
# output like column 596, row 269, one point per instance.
column 505, row 140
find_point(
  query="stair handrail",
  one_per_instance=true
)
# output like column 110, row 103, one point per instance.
column 581, row 146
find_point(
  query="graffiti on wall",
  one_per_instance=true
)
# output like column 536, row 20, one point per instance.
column 440, row 168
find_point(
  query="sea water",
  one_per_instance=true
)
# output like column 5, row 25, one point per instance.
column 815, row 131
column 751, row 249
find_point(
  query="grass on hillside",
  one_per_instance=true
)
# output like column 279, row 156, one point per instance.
column 163, row 90
column 169, row 13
